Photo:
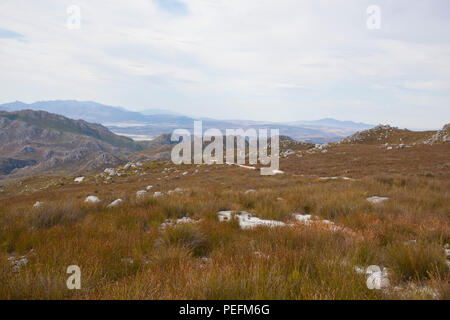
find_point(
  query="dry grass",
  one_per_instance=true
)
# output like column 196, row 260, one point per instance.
column 123, row 252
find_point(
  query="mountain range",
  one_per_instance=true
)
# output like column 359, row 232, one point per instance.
column 39, row 142
column 151, row 123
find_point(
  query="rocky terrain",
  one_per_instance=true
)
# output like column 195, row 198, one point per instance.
column 338, row 221
column 35, row 142
column 441, row 136
column 7, row 165
column 38, row 142
column 385, row 134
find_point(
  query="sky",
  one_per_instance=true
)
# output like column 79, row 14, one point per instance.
column 277, row 60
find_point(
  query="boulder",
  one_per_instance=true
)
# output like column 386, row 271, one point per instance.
column 92, row 199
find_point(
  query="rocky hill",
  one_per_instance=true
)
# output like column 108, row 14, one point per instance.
column 441, row 136
column 385, row 134
column 40, row 142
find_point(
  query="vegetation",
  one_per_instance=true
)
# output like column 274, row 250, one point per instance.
column 124, row 252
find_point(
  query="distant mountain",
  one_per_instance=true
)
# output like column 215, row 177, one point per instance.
column 164, row 124
column 154, row 122
column 41, row 142
column 329, row 122
column 85, row 110
column 152, row 112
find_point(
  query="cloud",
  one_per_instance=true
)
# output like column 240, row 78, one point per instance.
column 289, row 59
column 431, row 85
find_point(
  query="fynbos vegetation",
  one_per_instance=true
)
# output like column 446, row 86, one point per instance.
column 309, row 233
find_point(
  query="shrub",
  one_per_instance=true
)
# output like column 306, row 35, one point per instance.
column 184, row 235
column 417, row 261
column 57, row 214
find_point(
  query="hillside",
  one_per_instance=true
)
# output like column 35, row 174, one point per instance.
column 160, row 231
column 7, row 165
column 41, row 142
column 385, row 134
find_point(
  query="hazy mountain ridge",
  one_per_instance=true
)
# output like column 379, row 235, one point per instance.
column 152, row 122
column 84, row 110
column 329, row 122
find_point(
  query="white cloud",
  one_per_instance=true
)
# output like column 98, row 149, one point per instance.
column 232, row 58
column 432, row 85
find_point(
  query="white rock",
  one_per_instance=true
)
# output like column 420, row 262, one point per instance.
column 38, row 204
column 250, row 191
column 376, row 199
column 325, row 151
column 141, row 193
column 129, row 165
column 157, row 194
column 360, row 270
column 185, row 173
column 92, row 199
column 19, row 263
column 303, row 218
column 288, row 152
column 246, row 221
column 79, row 179
column 110, row 171
column 149, row 188
column 115, row 203
column 169, row 223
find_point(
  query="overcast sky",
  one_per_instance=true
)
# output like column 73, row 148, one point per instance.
column 278, row 60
